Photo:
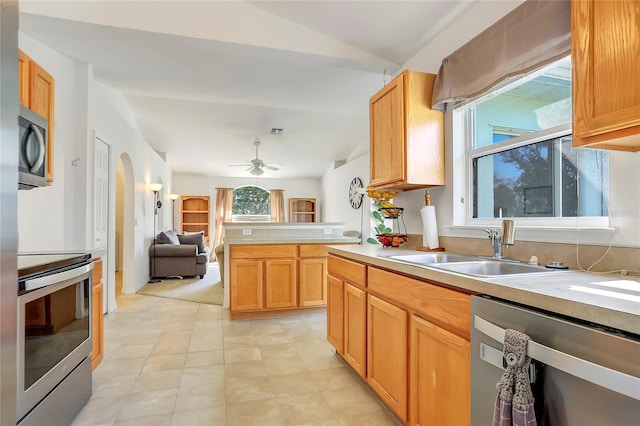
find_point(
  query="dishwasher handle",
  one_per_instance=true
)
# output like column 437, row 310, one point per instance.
column 616, row 381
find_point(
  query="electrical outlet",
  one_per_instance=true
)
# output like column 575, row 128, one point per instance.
column 327, row 231
column 247, row 232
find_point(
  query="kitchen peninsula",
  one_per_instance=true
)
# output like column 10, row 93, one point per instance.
column 277, row 269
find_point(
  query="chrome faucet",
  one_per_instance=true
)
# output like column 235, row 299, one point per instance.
column 502, row 239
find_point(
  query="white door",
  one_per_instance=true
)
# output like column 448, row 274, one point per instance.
column 100, row 194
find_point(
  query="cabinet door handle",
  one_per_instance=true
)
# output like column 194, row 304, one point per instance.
column 41, row 148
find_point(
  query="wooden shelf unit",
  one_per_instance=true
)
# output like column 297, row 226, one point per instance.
column 302, row 209
column 194, row 214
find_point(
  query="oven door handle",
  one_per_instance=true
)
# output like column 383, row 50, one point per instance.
column 57, row 278
column 616, row 381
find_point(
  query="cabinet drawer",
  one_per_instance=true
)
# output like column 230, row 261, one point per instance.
column 262, row 251
column 448, row 308
column 351, row 272
column 312, row 250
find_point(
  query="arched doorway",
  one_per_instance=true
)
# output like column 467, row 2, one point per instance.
column 124, row 235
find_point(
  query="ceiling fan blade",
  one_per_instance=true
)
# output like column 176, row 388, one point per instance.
column 256, row 166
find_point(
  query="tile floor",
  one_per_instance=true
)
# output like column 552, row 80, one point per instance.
column 170, row 362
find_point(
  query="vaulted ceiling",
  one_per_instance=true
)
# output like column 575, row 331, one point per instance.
column 205, row 79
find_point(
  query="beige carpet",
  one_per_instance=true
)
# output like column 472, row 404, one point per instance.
column 207, row 290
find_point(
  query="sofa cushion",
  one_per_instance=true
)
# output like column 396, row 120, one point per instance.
column 168, row 237
column 171, row 250
column 196, row 238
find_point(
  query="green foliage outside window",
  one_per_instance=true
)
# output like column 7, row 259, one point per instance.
column 251, row 200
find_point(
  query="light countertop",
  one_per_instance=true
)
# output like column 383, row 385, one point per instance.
column 332, row 239
column 612, row 301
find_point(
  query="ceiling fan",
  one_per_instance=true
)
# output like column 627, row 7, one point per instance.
column 256, row 165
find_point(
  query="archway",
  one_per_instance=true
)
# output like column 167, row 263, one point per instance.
column 124, row 235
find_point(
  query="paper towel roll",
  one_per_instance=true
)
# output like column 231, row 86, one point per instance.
column 429, row 227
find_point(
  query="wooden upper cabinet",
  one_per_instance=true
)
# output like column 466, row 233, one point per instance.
column 23, row 70
column 606, row 69
column 407, row 136
column 37, row 92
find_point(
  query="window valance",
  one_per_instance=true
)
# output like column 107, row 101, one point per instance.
column 534, row 34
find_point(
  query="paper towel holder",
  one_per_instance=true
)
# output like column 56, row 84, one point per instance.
column 427, row 202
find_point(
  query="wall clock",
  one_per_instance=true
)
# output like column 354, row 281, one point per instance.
column 355, row 197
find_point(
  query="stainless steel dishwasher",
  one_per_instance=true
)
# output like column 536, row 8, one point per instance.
column 582, row 374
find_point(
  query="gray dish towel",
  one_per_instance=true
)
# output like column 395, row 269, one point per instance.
column 514, row 400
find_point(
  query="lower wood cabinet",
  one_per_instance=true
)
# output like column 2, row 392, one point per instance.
column 97, row 315
column 249, row 278
column 246, row 285
column 280, row 284
column 439, row 376
column 265, row 278
column 387, row 354
column 335, row 313
column 355, row 328
column 409, row 339
column 313, row 281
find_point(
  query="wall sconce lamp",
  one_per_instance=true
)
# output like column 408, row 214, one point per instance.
column 173, row 198
column 155, row 187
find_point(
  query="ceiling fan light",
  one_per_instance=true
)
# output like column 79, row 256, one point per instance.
column 256, row 171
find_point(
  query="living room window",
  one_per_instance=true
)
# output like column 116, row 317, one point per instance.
column 251, row 204
column 518, row 157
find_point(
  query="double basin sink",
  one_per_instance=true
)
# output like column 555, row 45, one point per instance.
column 470, row 265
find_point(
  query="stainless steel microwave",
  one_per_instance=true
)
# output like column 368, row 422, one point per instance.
column 32, row 166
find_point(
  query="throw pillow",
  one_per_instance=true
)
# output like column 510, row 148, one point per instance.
column 196, row 238
column 168, row 237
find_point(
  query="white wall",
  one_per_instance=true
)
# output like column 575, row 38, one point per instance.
column 60, row 217
column 335, row 193
column 111, row 118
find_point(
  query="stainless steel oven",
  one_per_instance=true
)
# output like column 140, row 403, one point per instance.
column 54, row 337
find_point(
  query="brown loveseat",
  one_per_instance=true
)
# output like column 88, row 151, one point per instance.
column 182, row 255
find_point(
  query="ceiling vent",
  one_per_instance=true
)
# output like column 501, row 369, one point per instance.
column 276, row 131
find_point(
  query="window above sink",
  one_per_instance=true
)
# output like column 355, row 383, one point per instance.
column 514, row 145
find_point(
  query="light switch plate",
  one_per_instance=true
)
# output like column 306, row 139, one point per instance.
column 247, row 232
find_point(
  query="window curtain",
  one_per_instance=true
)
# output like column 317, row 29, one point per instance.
column 277, row 205
column 534, row 34
column 224, row 210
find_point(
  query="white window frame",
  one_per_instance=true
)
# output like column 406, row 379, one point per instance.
column 558, row 229
column 236, row 218
column 240, row 218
